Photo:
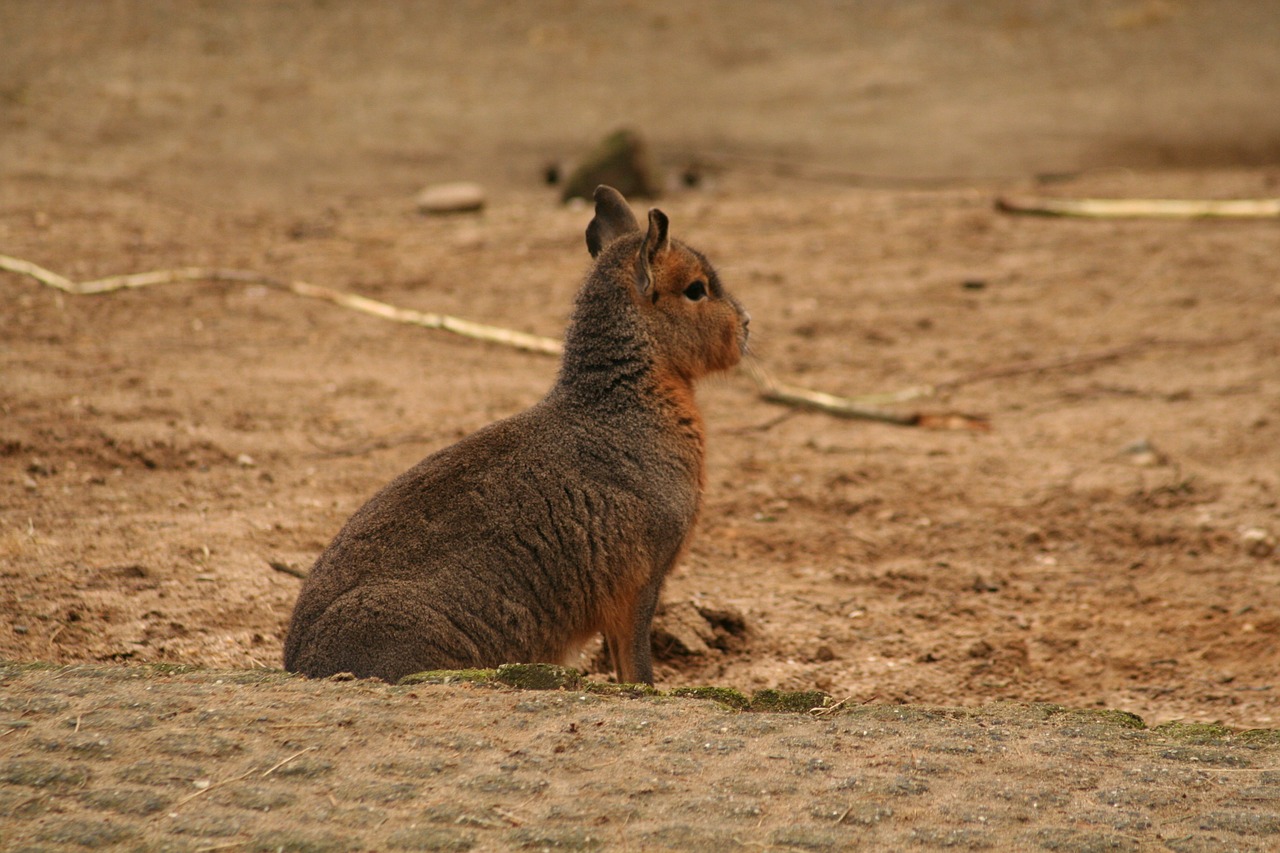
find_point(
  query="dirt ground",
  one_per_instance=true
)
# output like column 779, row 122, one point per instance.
column 1110, row 541
column 140, row 758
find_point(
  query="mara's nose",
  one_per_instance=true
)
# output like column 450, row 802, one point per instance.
column 746, row 318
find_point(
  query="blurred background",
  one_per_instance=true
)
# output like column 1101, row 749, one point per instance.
column 300, row 98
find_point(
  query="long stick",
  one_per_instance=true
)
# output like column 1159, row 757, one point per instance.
column 769, row 388
column 790, row 395
column 444, row 322
column 1156, row 208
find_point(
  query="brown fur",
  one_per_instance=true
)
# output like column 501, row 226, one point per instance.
column 530, row 536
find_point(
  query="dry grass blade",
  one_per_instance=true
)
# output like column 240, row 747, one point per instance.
column 282, row 763
column 212, row 786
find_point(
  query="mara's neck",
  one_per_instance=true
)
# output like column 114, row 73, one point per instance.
column 611, row 372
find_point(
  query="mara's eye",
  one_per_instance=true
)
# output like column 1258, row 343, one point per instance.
column 696, row 291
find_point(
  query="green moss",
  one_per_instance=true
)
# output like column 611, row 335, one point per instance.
column 258, row 676
column 1262, row 737
column 1195, row 733
column 1106, row 716
column 734, row 699
column 608, row 688
column 1035, row 711
column 921, row 714
column 15, row 666
column 538, row 676
column 1044, row 711
column 788, row 701
column 169, row 668
column 449, row 676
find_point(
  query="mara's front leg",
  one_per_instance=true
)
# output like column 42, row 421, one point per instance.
column 628, row 636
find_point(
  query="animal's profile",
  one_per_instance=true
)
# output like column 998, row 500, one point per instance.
column 532, row 535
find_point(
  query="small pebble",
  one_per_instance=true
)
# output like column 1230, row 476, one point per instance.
column 1258, row 542
column 1143, row 454
column 451, row 198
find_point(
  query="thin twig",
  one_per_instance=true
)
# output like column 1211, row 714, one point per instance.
column 777, row 392
column 191, row 797
column 1156, row 208
column 444, row 322
column 506, row 815
column 287, row 760
column 1044, row 365
column 767, row 425
column 363, row 304
column 285, row 568
column 1082, row 360
column 864, row 408
column 830, row 709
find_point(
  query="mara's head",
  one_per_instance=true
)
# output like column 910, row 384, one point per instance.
column 696, row 326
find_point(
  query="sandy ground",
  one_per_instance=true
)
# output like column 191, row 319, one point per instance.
column 1109, row 541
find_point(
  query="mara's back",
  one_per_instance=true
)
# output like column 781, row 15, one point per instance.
column 530, row 536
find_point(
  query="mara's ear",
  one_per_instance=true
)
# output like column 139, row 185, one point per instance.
column 655, row 241
column 613, row 219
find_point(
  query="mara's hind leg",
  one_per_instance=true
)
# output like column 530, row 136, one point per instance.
column 381, row 632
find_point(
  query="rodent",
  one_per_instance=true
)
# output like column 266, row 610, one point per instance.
column 530, row 536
